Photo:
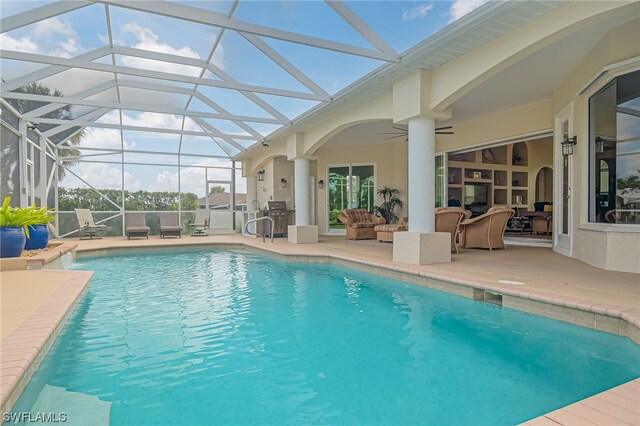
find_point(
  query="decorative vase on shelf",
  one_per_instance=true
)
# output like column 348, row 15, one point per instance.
column 452, row 176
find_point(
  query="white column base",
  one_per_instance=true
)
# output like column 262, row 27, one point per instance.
column 303, row 234
column 421, row 248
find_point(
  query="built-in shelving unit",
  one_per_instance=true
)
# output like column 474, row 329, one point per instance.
column 497, row 174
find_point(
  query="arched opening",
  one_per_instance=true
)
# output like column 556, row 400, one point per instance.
column 544, row 185
column 520, row 154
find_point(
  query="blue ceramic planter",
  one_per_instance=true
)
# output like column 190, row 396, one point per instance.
column 11, row 241
column 38, row 237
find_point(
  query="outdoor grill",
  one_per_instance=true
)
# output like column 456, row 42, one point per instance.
column 282, row 217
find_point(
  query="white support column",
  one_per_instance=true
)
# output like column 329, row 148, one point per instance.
column 43, row 172
column 302, row 200
column 302, row 232
column 22, row 155
column 422, row 151
column 421, row 245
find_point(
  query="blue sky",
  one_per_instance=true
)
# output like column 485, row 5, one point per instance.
column 401, row 23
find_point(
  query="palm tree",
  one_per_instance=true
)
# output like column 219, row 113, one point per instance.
column 63, row 113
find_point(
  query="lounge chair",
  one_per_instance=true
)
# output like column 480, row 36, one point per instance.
column 88, row 226
column 169, row 226
column 360, row 224
column 448, row 219
column 487, row 230
column 136, row 225
column 200, row 223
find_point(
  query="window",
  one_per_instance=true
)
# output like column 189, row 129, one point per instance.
column 614, row 150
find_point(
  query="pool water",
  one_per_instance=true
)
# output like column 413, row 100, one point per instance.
column 228, row 337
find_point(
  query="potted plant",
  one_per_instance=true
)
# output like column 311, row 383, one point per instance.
column 40, row 219
column 390, row 203
column 23, row 228
column 13, row 227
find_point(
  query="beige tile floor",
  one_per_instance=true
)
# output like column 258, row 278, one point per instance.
column 21, row 292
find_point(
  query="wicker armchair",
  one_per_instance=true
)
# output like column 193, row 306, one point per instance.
column 448, row 219
column 487, row 230
column 360, row 223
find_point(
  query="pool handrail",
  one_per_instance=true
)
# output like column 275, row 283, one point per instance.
column 273, row 224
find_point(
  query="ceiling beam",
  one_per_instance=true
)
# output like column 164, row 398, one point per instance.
column 361, row 27
column 159, row 87
column 53, row 69
column 90, row 117
column 250, row 95
column 206, row 17
column 38, row 14
column 226, row 137
column 94, row 66
column 218, row 108
column 134, row 107
column 34, row 114
column 214, row 69
column 93, row 124
column 285, row 64
column 158, row 56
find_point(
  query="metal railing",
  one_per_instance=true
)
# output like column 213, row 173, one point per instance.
column 273, row 225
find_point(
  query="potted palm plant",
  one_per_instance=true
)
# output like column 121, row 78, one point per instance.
column 390, row 203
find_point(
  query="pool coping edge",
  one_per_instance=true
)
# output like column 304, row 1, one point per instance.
column 24, row 348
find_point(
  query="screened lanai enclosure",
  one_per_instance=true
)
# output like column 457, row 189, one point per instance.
column 123, row 106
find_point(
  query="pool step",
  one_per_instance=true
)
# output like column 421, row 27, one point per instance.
column 77, row 408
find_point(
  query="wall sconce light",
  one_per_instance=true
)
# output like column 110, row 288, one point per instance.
column 599, row 144
column 567, row 145
column 261, row 176
column 320, row 184
column 283, row 183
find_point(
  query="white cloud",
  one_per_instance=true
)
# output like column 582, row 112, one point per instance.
column 101, row 176
column 419, row 11
column 22, row 44
column 112, row 117
column 459, row 8
column 162, row 121
column 192, row 179
column 52, row 26
column 108, row 176
column 148, row 40
column 104, row 138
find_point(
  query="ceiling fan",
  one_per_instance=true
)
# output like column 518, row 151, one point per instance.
column 402, row 131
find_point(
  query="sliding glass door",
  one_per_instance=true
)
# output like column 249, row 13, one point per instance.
column 350, row 186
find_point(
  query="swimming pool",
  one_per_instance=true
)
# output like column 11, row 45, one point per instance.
column 230, row 337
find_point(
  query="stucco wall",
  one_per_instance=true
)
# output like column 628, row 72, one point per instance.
column 600, row 247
